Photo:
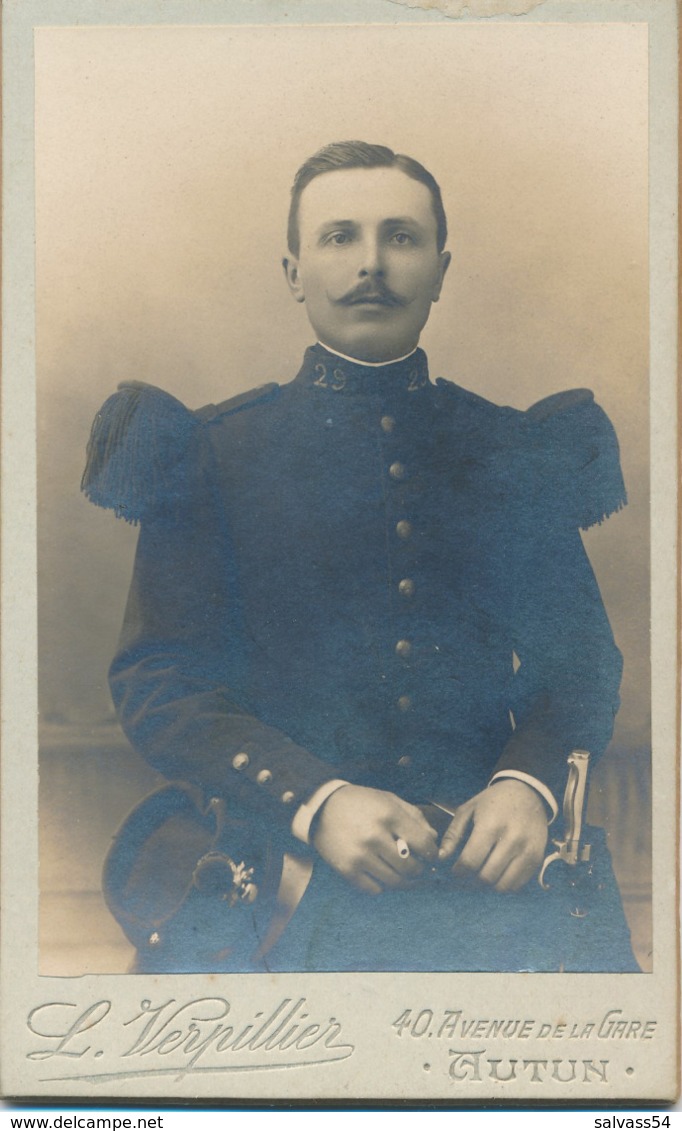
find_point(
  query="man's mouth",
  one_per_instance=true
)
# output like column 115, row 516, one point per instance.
column 371, row 298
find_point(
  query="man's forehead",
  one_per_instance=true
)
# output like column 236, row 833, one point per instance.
column 365, row 195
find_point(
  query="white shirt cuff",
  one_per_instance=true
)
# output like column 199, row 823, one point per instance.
column 303, row 817
column 545, row 793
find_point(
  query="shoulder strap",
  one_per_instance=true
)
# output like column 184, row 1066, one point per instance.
column 237, row 403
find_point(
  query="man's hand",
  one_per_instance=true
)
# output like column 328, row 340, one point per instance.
column 504, row 832
column 357, row 833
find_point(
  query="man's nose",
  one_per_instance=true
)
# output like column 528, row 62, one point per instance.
column 372, row 260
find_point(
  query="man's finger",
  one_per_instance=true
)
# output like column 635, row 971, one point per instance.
column 407, row 868
column 365, row 883
column 520, row 871
column 481, row 843
column 455, row 832
column 423, row 844
column 416, row 831
column 418, row 835
column 417, row 814
column 496, row 866
column 383, row 872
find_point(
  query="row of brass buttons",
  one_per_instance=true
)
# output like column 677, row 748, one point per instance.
column 241, row 761
column 406, row 586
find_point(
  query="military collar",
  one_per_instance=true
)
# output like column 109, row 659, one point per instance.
column 333, row 374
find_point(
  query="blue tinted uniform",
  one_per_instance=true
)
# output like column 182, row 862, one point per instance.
column 364, row 575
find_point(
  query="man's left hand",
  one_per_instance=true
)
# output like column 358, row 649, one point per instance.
column 503, row 831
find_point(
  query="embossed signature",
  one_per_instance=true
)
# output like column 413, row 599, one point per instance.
column 171, row 1038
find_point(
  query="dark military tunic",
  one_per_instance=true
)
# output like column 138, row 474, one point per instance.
column 363, row 575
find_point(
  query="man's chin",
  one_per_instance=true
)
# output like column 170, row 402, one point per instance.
column 372, row 346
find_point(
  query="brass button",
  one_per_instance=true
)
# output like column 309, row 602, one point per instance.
column 263, row 777
column 403, row 528
column 240, row 761
column 406, row 587
column 404, row 703
column 387, row 423
column 288, row 797
column 403, row 648
column 397, row 471
column 405, row 760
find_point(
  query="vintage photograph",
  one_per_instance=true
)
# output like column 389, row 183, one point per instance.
column 346, row 373
column 364, row 639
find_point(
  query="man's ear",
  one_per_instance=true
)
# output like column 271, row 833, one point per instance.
column 445, row 258
column 293, row 278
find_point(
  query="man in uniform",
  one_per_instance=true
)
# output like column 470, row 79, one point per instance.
column 362, row 617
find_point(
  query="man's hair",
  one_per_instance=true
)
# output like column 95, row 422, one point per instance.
column 361, row 155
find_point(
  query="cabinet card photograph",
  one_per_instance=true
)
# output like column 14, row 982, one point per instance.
column 339, row 483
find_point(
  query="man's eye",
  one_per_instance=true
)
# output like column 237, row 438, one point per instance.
column 402, row 238
column 338, row 238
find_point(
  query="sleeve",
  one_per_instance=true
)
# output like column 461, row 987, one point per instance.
column 535, row 783
column 174, row 676
column 566, row 688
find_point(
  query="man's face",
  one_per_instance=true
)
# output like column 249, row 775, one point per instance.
column 368, row 266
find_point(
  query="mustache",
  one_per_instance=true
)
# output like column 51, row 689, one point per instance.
column 371, row 291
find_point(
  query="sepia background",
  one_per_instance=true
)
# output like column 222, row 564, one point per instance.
column 164, row 158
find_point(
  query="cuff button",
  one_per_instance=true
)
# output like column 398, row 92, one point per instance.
column 288, row 797
column 263, row 777
column 240, row 761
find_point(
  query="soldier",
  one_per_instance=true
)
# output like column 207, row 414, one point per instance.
column 362, row 618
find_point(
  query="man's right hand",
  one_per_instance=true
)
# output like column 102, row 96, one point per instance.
column 357, row 834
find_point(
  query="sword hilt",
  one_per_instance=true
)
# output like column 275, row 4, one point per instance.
column 570, row 849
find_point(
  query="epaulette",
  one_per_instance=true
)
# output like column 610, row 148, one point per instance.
column 570, row 451
column 139, row 444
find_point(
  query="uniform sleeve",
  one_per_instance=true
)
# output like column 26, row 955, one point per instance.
column 566, row 688
column 177, row 664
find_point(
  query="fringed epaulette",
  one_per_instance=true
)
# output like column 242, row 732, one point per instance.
column 571, row 454
column 140, row 443
column 137, row 446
